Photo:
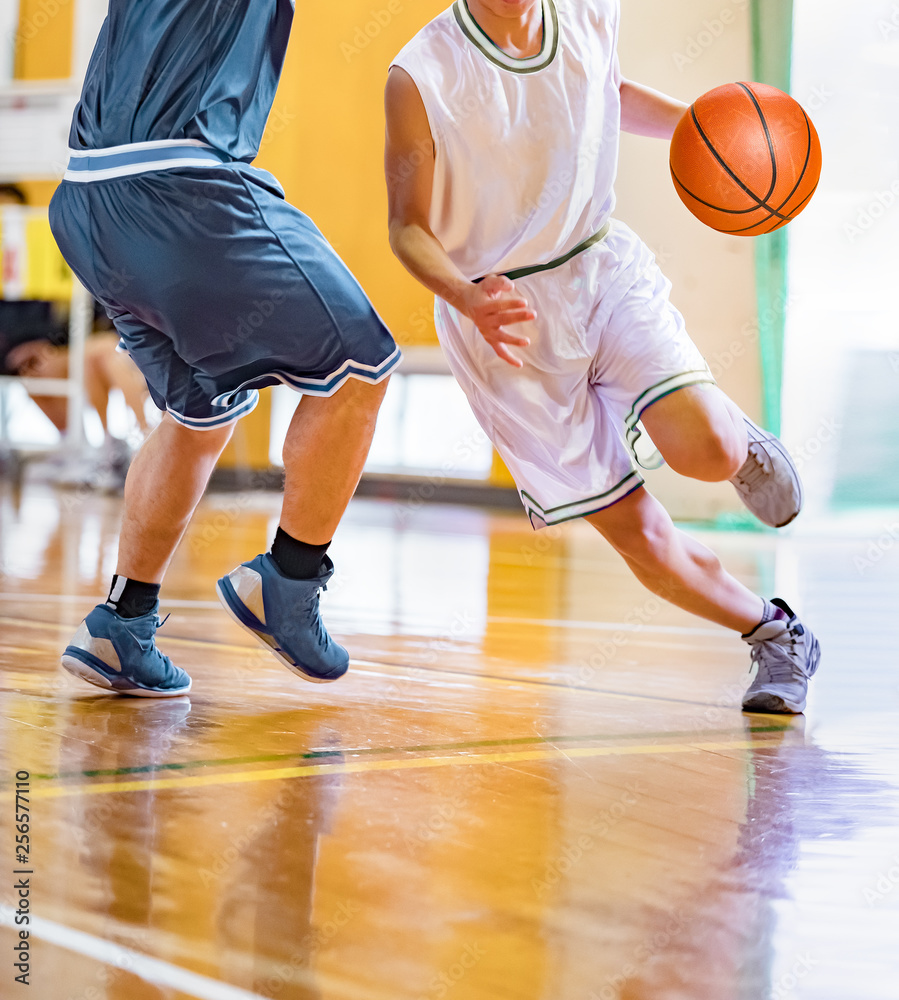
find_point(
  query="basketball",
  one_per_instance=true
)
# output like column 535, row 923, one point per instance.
column 745, row 159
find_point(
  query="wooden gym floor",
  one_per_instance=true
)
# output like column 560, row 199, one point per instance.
column 535, row 782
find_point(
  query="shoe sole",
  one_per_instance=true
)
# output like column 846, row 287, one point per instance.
column 771, row 704
column 294, row 668
column 83, row 671
column 773, row 442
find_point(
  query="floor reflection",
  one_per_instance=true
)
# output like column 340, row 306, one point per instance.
column 511, row 796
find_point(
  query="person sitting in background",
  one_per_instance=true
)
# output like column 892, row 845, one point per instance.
column 105, row 369
column 34, row 344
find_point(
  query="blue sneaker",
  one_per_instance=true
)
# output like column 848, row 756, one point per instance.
column 283, row 616
column 119, row 654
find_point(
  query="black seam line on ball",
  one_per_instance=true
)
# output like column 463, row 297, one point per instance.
column 755, row 225
column 768, row 139
column 795, row 212
column 736, row 232
column 730, row 173
column 808, row 156
column 708, row 204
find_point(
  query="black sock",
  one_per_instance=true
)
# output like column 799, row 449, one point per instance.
column 131, row 598
column 297, row 560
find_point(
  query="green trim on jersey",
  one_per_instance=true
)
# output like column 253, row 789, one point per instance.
column 590, row 241
column 533, row 64
column 523, row 272
column 581, row 508
column 652, row 395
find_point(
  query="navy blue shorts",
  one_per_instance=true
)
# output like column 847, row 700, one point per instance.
column 216, row 285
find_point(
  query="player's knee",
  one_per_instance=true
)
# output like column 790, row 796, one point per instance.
column 712, row 456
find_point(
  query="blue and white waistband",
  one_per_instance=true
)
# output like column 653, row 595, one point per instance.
column 139, row 158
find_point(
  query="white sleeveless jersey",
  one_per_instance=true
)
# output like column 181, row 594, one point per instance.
column 526, row 149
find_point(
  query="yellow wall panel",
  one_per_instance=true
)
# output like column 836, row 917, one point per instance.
column 325, row 142
column 30, row 261
column 48, row 275
column 249, row 447
column 44, row 40
column 38, row 193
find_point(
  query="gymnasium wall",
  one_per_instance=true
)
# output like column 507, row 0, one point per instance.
column 325, row 143
column 685, row 49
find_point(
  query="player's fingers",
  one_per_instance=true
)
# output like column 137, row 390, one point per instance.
column 503, row 352
column 494, row 306
column 502, row 336
column 509, row 316
column 496, row 284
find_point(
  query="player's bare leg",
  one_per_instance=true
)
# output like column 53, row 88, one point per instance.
column 699, row 432
column 704, row 435
column 324, row 452
column 165, row 483
column 683, row 571
column 675, row 566
column 114, row 648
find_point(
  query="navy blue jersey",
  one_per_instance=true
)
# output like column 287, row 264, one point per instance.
column 184, row 69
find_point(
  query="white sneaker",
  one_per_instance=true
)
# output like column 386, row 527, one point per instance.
column 769, row 483
column 786, row 655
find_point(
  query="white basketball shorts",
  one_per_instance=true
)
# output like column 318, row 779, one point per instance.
column 606, row 344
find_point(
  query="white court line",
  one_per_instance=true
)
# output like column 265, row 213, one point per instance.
column 347, row 614
column 151, row 970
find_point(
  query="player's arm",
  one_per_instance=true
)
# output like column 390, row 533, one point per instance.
column 645, row 111
column 491, row 304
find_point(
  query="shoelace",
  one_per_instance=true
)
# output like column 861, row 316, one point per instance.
column 755, row 473
column 775, row 662
column 310, row 608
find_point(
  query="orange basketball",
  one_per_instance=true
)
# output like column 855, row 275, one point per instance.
column 745, row 159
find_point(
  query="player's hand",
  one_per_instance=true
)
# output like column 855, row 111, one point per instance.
column 494, row 304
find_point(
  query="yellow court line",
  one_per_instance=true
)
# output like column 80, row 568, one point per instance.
column 360, row 766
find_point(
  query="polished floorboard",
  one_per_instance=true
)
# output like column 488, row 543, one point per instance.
column 535, row 783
